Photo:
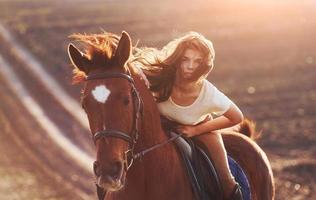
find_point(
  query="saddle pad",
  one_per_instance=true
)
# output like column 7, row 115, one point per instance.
column 240, row 177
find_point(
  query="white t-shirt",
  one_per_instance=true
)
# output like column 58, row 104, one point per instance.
column 210, row 101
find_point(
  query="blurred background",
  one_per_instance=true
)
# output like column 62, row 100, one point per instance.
column 265, row 61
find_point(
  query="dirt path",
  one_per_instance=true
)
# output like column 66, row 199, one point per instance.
column 34, row 160
column 35, row 67
column 52, row 130
column 32, row 166
column 66, row 111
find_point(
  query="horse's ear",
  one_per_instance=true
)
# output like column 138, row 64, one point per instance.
column 124, row 49
column 77, row 58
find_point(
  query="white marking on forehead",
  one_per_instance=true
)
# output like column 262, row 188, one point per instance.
column 101, row 93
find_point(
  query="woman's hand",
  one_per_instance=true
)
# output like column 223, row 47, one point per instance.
column 192, row 130
column 187, row 130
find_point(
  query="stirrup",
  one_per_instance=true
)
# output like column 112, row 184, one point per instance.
column 236, row 193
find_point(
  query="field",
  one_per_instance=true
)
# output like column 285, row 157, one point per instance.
column 265, row 61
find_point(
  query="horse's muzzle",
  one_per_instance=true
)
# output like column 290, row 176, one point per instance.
column 112, row 177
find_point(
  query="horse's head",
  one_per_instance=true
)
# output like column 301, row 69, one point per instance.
column 112, row 104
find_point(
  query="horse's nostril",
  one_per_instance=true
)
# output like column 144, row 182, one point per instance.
column 113, row 170
column 116, row 169
column 95, row 168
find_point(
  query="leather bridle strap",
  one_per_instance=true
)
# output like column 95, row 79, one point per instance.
column 131, row 139
column 112, row 133
column 110, row 75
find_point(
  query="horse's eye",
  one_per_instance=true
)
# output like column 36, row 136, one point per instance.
column 126, row 100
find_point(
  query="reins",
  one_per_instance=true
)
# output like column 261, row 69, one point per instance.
column 142, row 153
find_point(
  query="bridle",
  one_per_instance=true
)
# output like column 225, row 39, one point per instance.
column 129, row 155
column 132, row 137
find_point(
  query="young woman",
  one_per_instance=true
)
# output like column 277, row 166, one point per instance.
column 177, row 77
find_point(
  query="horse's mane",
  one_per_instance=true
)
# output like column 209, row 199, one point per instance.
column 99, row 49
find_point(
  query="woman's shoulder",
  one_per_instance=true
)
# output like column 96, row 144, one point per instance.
column 211, row 90
column 208, row 85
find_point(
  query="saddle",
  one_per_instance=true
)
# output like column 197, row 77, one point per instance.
column 205, row 182
column 202, row 173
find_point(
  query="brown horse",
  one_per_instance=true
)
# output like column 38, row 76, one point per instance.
column 124, row 120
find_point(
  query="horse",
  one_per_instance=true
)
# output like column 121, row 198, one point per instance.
column 125, row 123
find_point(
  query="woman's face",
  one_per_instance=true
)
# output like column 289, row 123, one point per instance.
column 190, row 65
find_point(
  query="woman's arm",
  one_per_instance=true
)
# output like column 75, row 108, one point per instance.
column 230, row 118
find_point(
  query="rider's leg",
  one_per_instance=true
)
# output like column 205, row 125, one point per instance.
column 213, row 143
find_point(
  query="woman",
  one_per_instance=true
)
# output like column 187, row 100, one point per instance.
column 177, row 77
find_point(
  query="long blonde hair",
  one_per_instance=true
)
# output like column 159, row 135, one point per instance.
column 160, row 66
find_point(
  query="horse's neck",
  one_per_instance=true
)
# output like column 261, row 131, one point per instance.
column 151, row 124
column 161, row 167
column 152, row 132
